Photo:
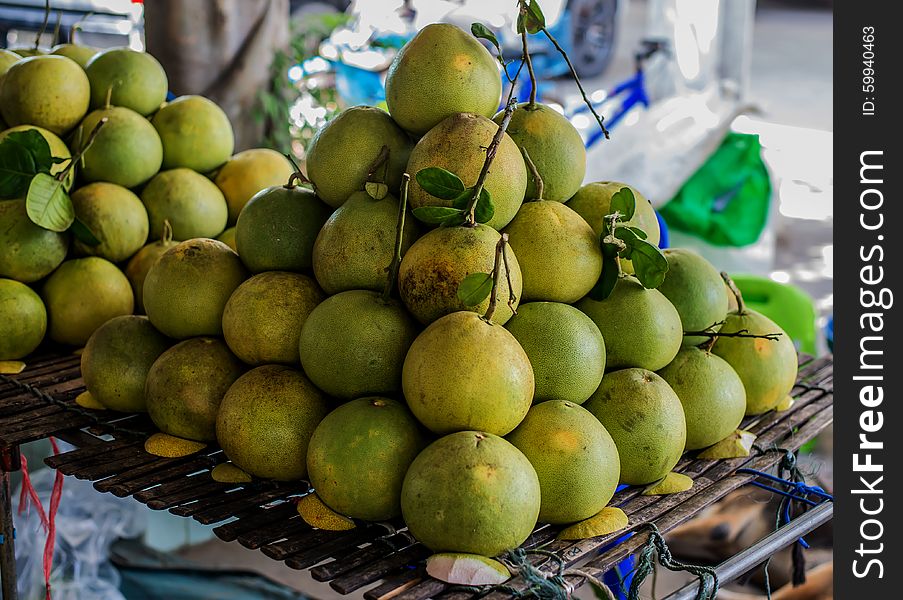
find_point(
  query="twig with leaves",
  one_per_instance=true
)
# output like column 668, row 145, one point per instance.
column 392, row 279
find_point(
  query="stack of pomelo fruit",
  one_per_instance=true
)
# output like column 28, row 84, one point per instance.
column 417, row 348
column 157, row 172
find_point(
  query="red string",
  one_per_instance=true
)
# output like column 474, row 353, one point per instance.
column 48, row 522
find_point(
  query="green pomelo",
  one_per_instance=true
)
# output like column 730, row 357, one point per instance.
column 24, row 320
column 266, row 420
column 440, row 72
column 116, row 361
column 196, row 134
column 574, row 457
column 354, row 344
column 559, row 255
column 126, row 151
column 464, row 373
column 359, row 454
column 140, row 264
column 58, row 149
column 641, row 327
column 554, row 146
column 711, row 392
column 436, row 264
column 263, row 318
column 27, row 51
column 342, row 152
column 127, row 78
column 83, row 294
column 82, row 55
column 458, row 144
column 193, row 205
column 645, row 419
column 593, row 203
column 357, row 243
column 7, row 59
column 565, row 348
column 228, row 238
column 696, row 290
column 115, row 216
column 186, row 385
column 47, row 91
column 767, row 368
column 186, row 290
column 27, row 252
column 471, row 492
column 277, row 228
column 247, row 173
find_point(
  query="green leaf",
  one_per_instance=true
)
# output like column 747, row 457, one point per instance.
column 23, row 154
column 607, row 280
column 624, row 202
column 481, row 31
column 435, row 214
column 485, row 209
column 463, row 199
column 377, row 191
column 440, row 183
column 48, row 205
column 534, row 20
column 83, row 234
column 454, row 220
column 637, row 232
column 475, row 288
column 649, row 264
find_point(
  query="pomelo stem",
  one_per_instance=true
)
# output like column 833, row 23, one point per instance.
column 167, row 231
column 56, row 28
column 37, row 38
column 741, row 307
column 77, row 26
column 399, row 238
column 78, row 156
column 493, row 147
column 496, row 277
column 295, row 177
column 534, row 172
column 529, row 61
column 381, row 159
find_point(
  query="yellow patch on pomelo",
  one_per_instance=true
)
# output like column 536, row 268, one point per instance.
column 785, row 404
column 736, row 445
column 608, row 520
column 229, row 473
column 170, row 446
column 316, row 514
column 86, row 400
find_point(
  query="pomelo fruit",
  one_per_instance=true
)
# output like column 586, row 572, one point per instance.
column 593, row 203
column 645, row 419
column 27, row 252
column 186, row 385
column 24, row 320
column 58, row 149
column 356, row 244
column 442, row 71
column 359, row 454
column 117, row 358
column 27, row 51
column 277, row 228
column 341, row 153
column 48, row 91
column 558, row 253
column 553, row 145
column 767, row 368
column 436, row 264
column 140, row 264
column 193, row 205
column 83, row 294
column 266, row 419
column 641, row 327
column 471, row 492
column 459, row 144
column 711, row 393
column 186, row 290
column 565, row 348
column 263, row 317
column 465, row 373
column 126, row 151
column 7, row 59
column 354, row 344
column 574, row 457
column 248, row 172
column 115, row 216
column 76, row 52
column 696, row 290
column 195, row 132
column 127, row 78
column 228, row 237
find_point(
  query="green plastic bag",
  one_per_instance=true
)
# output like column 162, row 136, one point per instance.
column 726, row 201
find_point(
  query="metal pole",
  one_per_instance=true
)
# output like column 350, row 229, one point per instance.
column 11, row 461
column 759, row 552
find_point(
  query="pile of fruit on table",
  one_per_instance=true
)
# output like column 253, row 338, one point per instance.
column 472, row 350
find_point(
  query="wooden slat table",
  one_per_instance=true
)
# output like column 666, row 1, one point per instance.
column 382, row 557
